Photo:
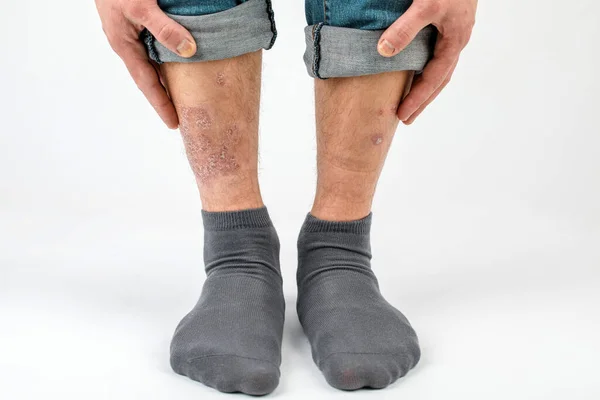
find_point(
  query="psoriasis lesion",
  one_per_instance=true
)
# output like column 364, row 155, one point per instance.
column 211, row 148
column 194, row 118
column 217, row 163
column 220, row 79
column 377, row 139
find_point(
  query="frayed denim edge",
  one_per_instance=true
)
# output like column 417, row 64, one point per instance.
column 148, row 39
column 317, row 49
column 272, row 19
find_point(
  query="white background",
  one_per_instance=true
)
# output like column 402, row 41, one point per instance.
column 486, row 231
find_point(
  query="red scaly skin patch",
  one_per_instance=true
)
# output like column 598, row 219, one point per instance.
column 210, row 155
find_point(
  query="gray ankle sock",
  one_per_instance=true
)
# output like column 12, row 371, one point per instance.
column 357, row 338
column 231, row 340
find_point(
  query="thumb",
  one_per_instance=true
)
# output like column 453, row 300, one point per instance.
column 169, row 33
column 402, row 32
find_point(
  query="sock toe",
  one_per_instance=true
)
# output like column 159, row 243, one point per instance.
column 352, row 371
column 229, row 373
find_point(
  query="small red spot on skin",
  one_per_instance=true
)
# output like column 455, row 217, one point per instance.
column 232, row 134
column 391, row 110
column 377, row 139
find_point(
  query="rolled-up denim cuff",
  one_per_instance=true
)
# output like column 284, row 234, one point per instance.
column 333, row 51
column 243, row 29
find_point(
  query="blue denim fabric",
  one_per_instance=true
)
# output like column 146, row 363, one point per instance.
column 197, row 7
column 357, row 14
column 341, row 36
column 221, row 28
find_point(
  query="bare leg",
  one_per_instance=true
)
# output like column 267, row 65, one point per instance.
column 231, row 339
column 356, row 121
column 218, row 104
column 358, row 339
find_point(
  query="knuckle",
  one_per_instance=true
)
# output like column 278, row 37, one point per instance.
column 116, row 44
column 432, row 7
column 422, row 11
column 109, row 32
column 460, row 41
column 471, row 22
column 113, row 39
column 455, row 45
column 467, row 36
column 154, row 86
column 139, row 76
column 146, row 83
column 144, row 88
column 138, row 10
column 165, row 33
column 162, row 103
column 464, row 41
column 403, row 35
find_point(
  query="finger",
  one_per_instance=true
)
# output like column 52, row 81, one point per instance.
column 403, row 31
column 168, row 32
column 148, row 81
column 435, row 94
column 434, row 74
column 156, row 67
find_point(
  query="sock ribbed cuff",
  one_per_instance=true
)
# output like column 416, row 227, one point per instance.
column 360, row 226
column 242, row 219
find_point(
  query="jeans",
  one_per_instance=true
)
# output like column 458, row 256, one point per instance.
column 341, row 35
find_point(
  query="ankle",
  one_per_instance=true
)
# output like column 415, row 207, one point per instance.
column 340, row 209
column 247, row 204
column 343, row 198
column 234, row 196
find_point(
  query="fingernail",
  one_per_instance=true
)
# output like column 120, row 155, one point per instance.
column 186, row 48
column 385, row 48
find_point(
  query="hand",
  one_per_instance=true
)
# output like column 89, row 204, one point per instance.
column 122, row 22
column 454, row 20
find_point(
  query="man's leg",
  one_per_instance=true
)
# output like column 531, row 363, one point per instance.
column 356, row 121
column 218, row 105
column 358, row 339
column 231, row 340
